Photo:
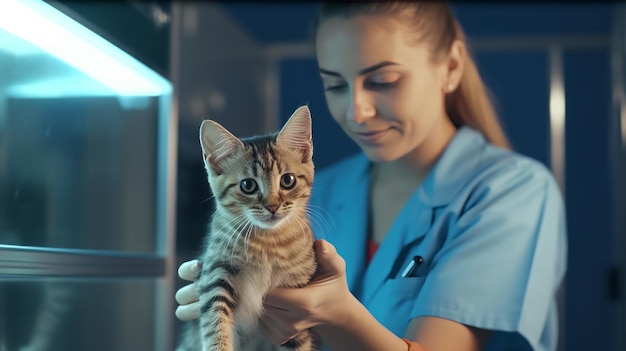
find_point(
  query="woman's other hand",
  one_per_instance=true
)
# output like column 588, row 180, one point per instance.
column 187, row 296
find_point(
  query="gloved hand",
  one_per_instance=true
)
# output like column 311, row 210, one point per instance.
column 187, row 296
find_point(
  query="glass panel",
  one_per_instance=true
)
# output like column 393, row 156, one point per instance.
column 53, row 315
column 79, row 136
column 78, row 173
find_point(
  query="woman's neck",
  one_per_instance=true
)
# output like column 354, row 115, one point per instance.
column 411, row 169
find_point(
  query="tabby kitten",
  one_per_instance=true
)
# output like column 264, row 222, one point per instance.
column 259, row 237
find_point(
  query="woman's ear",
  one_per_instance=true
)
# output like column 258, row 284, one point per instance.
column 455, row 64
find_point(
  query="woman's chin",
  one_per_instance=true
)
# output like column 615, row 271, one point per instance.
column 381, row 154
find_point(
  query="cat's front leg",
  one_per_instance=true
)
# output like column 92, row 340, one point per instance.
column 218, row 303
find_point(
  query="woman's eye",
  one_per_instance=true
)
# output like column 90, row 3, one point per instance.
column 288, row 181
column 384, row 80
column 333, row 84
column 382, row 84
column 248, row 186
column 331, row 88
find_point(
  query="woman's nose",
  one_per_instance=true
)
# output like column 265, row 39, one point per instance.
column 361, row 108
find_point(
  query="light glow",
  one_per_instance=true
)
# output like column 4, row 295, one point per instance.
column 55, row 33
column 68, row 86
column 557, row 116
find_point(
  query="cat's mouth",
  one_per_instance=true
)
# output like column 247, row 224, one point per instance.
column 269, row 221
column 273, row 218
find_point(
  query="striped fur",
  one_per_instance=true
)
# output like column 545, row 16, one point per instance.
column 259, row 237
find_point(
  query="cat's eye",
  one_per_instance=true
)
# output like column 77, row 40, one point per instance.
column 288, row 181
column 248, row 186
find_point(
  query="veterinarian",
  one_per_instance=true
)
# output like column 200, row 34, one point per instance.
column 443, row 238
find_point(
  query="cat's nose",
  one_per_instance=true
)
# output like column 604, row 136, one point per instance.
column 272, row 208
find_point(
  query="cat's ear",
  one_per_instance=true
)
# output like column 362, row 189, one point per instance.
column 217, row 144
column 296, row 134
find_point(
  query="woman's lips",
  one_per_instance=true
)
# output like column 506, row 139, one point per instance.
column 372, row 137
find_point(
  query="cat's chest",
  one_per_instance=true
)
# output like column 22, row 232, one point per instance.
column 275, row 250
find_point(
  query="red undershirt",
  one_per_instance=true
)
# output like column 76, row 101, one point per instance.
column 371, row 249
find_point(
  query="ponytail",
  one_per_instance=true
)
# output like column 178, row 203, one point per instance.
column 471, row 105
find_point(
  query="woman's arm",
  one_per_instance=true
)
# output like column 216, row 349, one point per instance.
column 331, row 311
column 343, row 323
column 424, row 333
column 356, row 329
column 436, row 334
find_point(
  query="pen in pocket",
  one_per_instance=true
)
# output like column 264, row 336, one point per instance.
column 411, row 268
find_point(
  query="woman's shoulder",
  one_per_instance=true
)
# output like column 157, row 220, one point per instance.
column 352, row 166
column 471, row 163
column 506, row 178
column 502, row 162
column 484, row 159
column 501, row 165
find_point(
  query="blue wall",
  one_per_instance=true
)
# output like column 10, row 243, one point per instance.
column 590, row 218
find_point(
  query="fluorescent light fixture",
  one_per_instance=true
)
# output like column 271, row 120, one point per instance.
column 16, row 46
column 60, row 87
column 55, row 33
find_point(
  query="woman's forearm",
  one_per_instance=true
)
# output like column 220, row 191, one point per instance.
column 354, row 328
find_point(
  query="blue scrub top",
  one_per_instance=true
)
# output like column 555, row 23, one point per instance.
column 489, row 226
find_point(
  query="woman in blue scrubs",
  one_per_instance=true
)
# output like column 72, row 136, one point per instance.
column 443, row 238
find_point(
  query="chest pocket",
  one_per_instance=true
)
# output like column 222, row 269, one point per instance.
column 394, row 301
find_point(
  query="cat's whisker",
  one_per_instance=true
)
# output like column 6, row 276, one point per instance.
column 326, row 228
column 239, row 234
column 219, row 211
column 318, row 220
column 208, row 198
column 238, row 227
column 231, row 229
column 250, row 227
column 311, row 207
column 232, row 239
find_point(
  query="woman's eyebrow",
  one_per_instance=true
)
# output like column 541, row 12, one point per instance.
column 361, row 72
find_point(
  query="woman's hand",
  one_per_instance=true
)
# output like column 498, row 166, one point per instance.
column 187, row 296
column 288, row 311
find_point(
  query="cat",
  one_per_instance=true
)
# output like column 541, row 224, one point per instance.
column 259, row 236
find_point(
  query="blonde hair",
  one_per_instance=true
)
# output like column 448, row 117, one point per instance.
column 434, row 23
